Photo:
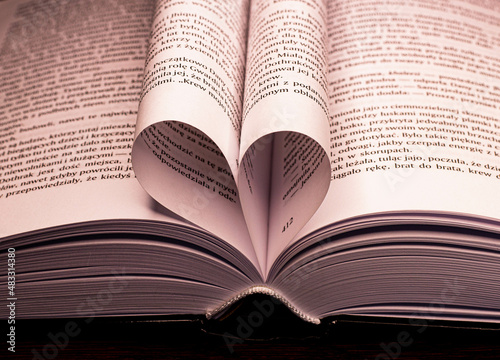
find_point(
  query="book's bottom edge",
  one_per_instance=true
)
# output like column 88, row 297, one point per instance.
column 264, row 290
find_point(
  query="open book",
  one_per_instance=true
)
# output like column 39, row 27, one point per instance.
column 172, row 157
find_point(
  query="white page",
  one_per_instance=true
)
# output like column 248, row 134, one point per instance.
column 66, row 134
column 187, row 138
column 440, row 163
column 285, row 94
column 69, row 107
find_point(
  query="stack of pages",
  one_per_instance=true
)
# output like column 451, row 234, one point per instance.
column 172, row 157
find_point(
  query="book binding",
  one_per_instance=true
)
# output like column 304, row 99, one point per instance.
column 265, row 290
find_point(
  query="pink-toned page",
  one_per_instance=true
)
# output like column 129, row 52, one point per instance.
column 69, row 108
column 284, row 172
column 70, row 89
column 186, row 147
column 221, row 142
column 415, row 111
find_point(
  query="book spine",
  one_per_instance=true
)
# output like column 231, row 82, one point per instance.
column 265, row 290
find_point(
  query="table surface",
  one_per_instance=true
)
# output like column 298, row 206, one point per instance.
column 244, row 335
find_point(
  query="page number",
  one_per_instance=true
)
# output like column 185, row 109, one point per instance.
column 287, row 225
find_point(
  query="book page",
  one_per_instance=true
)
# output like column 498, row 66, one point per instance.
column 70, row 74
column 187, row 139
column 284, row 172
column 415, row 108
column 70, row 80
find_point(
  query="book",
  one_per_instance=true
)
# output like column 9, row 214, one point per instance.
column 173, row 157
